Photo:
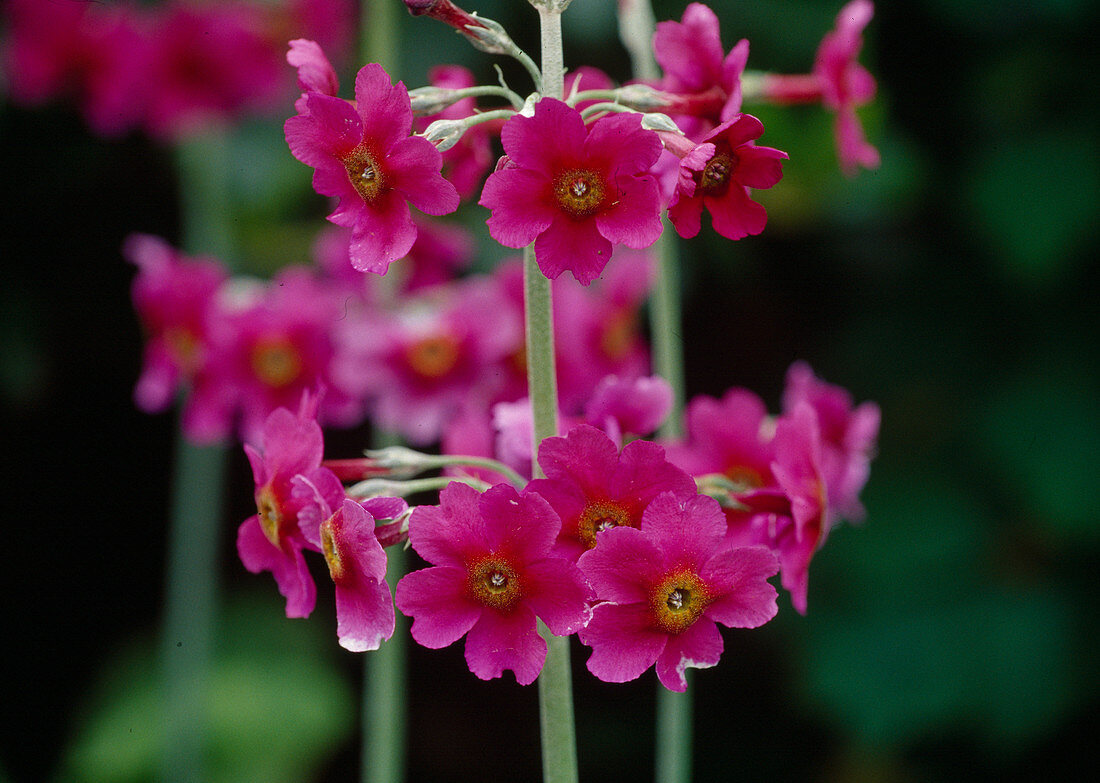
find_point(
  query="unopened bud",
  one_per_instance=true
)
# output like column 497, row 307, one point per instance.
column 432, row 100
column 444, row 134
column 489, row 36
column 641, row 97
column 655, row 121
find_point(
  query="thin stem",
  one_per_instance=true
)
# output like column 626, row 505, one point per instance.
column 384, row 711
column 191, row 596
column 674, row 735
column 666, row 326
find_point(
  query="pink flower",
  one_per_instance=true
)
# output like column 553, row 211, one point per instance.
column 271, row 540
column 666, row 586
column 847, row 436
column 574, row 191
column 363, row 155
column 174, row 297
column 718, row 173
column 355, row 558
column 635, row 407
column 593, row 487
column 492, row 574
column 691, row 55
column 839, row 82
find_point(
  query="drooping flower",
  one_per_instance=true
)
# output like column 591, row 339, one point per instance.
column 363, row 155
column 718, row 173
column 272, row 540
column 492, row 574
column 593, row 487
column 666, row 586
column 572, row 190
column 356, row 561
column 848, row 436
column 624, row 407
column 839, row 82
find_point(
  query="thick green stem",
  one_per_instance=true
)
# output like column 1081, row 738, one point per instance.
column 379, row 34
column 384, row 721
column 199, row 478
column 553, row 66
column 666, row 327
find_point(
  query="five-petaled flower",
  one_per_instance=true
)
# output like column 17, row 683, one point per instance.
column 363, row 154
column 574, row 191
column 492, row 573
column 664, row 588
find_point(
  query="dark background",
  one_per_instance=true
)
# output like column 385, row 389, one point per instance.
column 947, row 636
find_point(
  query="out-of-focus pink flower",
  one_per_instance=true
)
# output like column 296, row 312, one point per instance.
column 629, row 407
column 286, row 341
column 572, row 190
column 363, row 155
column 272, row 540
column 848, row 436
column 718, row 174
column 666, row 586
column 96, row 53
column 706, row 81
column 492, row 574
column 210, row 63
column 420, row 365
column 175, row 299
column 355, row 558
column 593, row 487
column 839, row 82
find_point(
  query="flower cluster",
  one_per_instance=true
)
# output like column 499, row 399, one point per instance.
column 171, row 70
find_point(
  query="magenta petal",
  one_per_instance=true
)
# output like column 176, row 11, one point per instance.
column 735, row 215
column 506, row 641
column 413, row 164
column 699, row 647
column 558, row 594
column 523, row 527
column 732, row 68
column 542, row 142
column 643, row 473
column 315, row 72
column 291, row 444
column 759, row 167
column 621, row 138
column 452, row 533
column 852, row 146
column 573, row 245
column 520, row 202
column 330, row 130
column 384, row 107
column 741, row 574
column 436, row 600
column 636, row 220
column 289, row 569
column 623, row 641
column 585, row 455
column 383, row 233
column 690, row 51
column 688, row 530
column 330, row 178
column 686, row 214
column 617, row 565
column 364, row 615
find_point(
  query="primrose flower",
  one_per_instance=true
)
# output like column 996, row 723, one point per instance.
column 718, row 173
column 847, row 436
column 572, row 190
column 492, row 574
column 593, row 487
column 705, row 82
column 355, row 558
column 272, row 540
column 666, row 586
column 363, row 155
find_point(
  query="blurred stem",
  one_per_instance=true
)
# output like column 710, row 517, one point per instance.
column 191, row 597
column 380, row 34
column 665, row 324
column 198, row 483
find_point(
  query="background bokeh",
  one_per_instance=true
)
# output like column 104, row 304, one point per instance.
column 947, row 637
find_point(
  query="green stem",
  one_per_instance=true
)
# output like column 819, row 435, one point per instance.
column 384, row 676
column 199, row 478
column 665, row 325
column 379, row 33
column 553, row 64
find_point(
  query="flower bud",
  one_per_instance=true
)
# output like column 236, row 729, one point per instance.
column 444, row 134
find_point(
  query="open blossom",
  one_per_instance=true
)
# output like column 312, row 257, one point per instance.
column 718, row 173
column 594, row 487
column 666, row 586
column 272, row 540
column 574, row 191
column 363, row 155
column 492, row 574
column 344, row 531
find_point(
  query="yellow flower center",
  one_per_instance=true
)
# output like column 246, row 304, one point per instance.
column 744, row 477
column 618, row 335
column 493, row 582
column 601, row 515
column 271, row 517
column 678, row 601
column 331, row 551
column 580, row 192
column 433, row 357
column 365, row 174
column 276, row 361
